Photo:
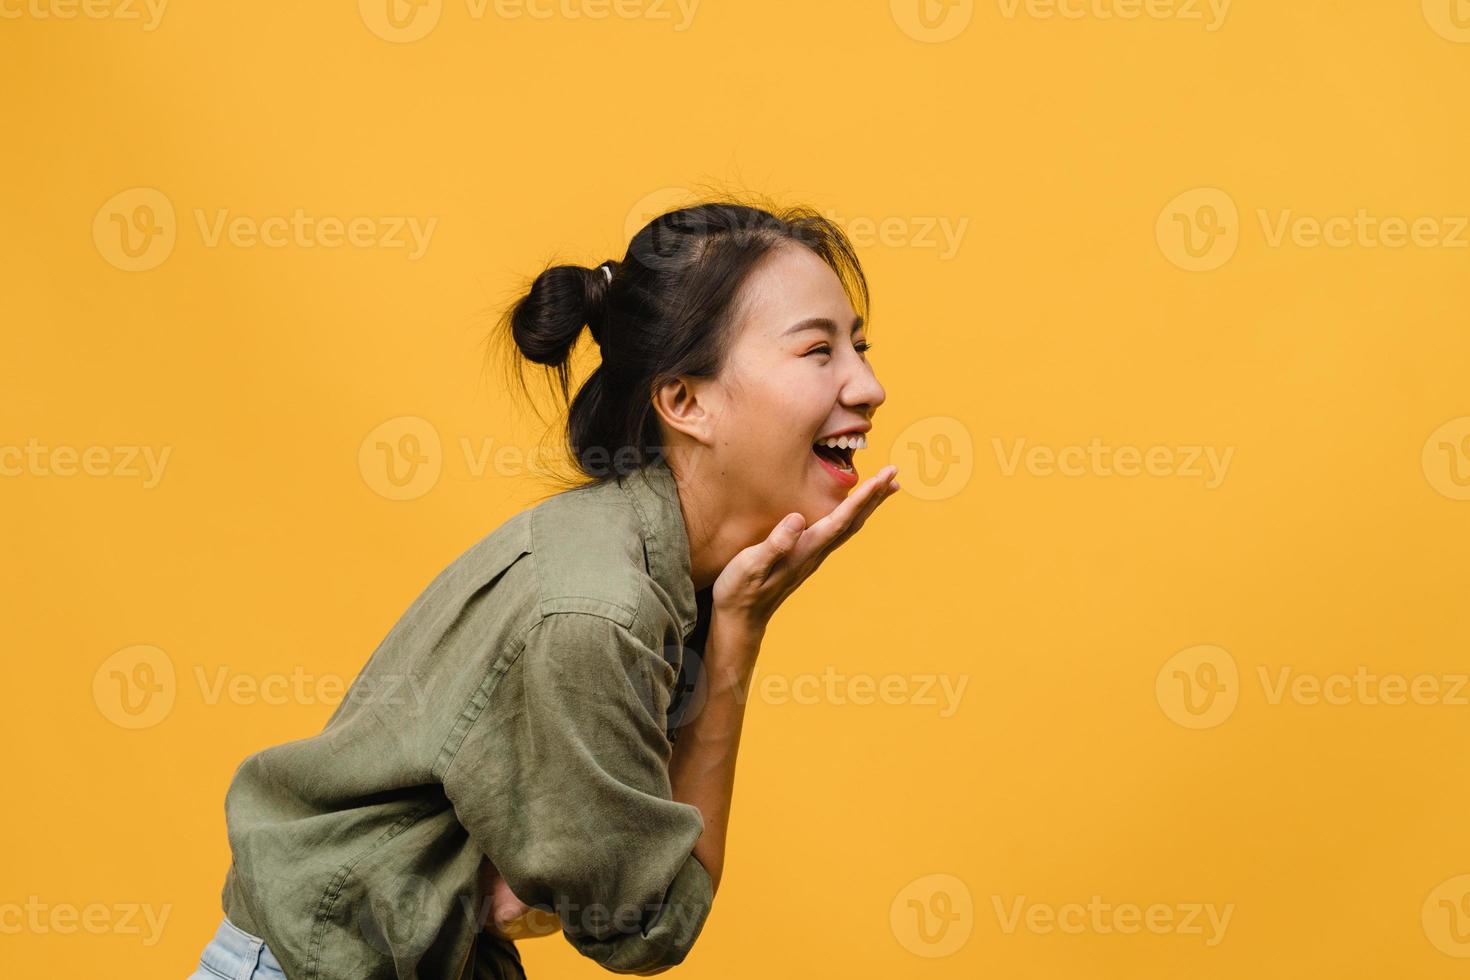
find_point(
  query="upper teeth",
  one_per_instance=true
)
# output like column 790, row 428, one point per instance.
column 855, row 441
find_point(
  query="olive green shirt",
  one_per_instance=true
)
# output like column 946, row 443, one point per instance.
column 521, row 709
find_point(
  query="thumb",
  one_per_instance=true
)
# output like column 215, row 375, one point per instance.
column 778, row 544
column 786, row 533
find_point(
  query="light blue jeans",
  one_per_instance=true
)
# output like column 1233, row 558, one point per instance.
column 234, row 954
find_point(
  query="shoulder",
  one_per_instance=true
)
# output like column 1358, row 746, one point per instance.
column 587, row 546
column 581, row 551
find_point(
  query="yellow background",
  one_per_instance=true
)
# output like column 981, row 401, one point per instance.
column 1336, row 376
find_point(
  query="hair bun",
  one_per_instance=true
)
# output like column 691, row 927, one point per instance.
column 546, row 322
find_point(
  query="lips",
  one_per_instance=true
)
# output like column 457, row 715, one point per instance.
column 842, row 473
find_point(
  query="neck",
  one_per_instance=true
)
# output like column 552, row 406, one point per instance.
column 715, row 534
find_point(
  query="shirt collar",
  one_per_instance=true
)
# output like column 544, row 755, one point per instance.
column 655, row 496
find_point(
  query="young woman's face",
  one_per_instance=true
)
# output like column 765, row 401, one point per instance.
column 796, row 373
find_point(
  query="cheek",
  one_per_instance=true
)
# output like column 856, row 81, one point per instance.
column 778, row 413
column 789, row 439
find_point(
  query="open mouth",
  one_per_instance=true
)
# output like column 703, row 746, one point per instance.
column 839, row 457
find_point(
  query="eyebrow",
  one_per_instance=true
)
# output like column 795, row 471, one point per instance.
column 821, row 323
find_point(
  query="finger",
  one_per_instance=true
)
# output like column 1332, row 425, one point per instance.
column 884, row 493
column 887, row 487
column 854, row 518
column 824, row 532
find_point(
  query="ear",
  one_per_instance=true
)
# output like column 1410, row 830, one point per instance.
column 683, row 406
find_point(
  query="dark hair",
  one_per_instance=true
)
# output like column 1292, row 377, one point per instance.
column 666, row 311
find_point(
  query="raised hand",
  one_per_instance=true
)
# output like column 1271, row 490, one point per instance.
column 758, row 579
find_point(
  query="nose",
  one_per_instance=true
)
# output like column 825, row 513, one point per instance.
column 861, row 389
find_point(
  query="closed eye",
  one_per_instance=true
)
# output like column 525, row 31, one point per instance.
column 862, row 348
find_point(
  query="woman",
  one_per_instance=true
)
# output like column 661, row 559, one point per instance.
column 546, row 740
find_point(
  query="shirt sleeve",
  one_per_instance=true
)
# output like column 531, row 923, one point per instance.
column 563, row 782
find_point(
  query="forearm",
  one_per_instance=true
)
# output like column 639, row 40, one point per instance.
column 702, row 765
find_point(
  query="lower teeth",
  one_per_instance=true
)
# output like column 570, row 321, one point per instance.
column 838, row 461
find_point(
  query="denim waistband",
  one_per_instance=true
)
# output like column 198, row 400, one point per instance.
column 235, row 953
